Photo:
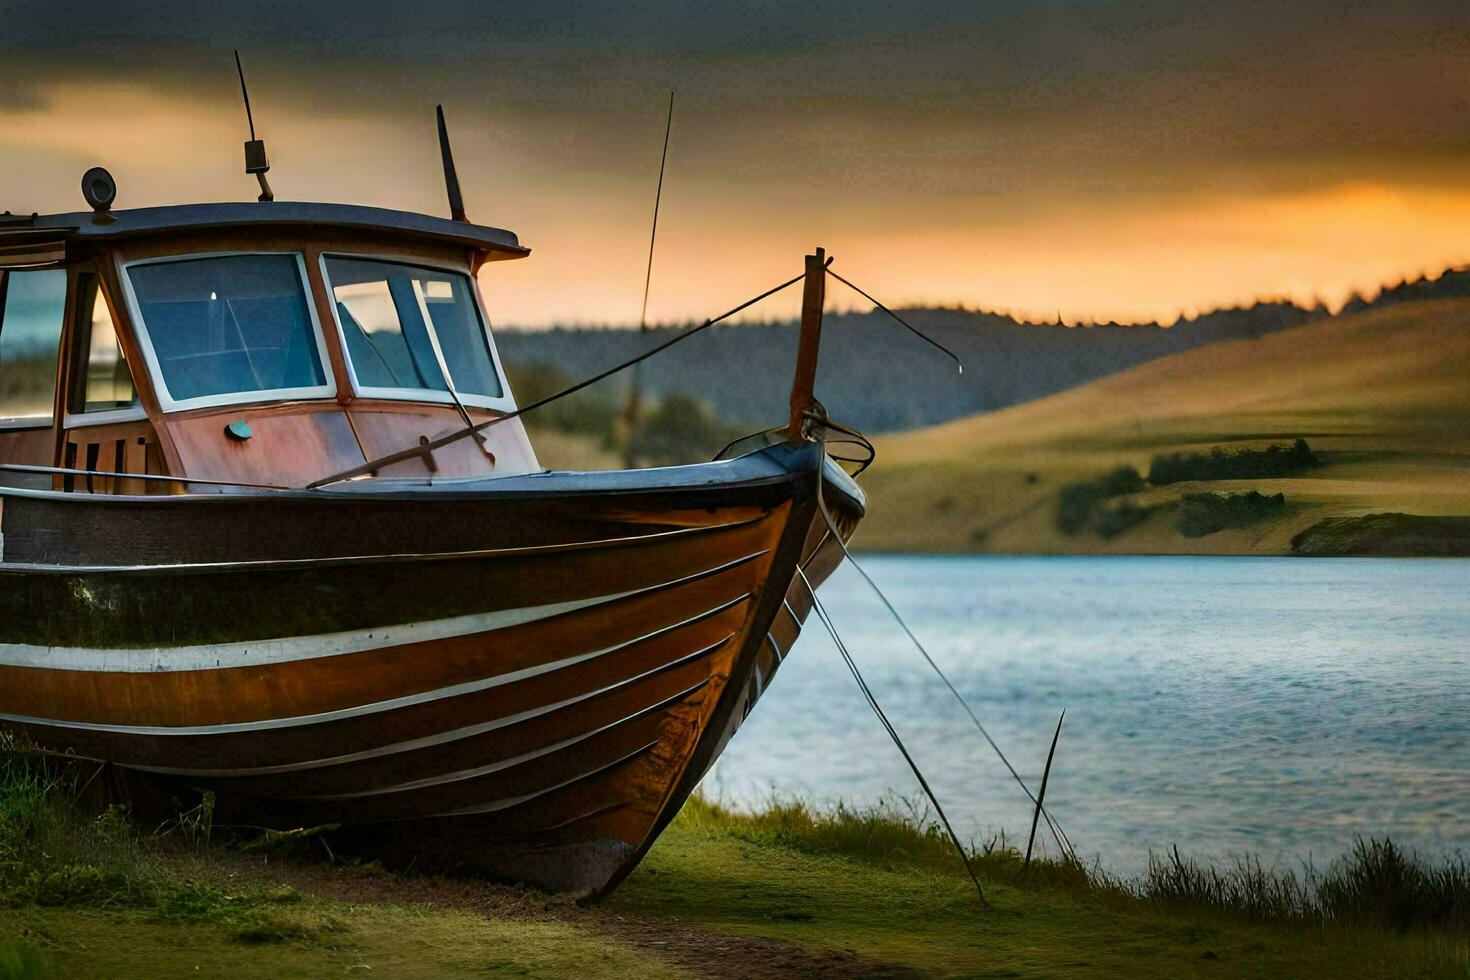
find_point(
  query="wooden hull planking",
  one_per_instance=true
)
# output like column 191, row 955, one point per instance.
column 536, row 701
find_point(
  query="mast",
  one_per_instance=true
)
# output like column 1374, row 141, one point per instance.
column 451, row 177
column 813, row 296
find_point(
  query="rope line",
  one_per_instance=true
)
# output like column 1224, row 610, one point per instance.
column 382, row 461
column 892, row 732
column 153, row 477
column 1056, row 830
column 913, row 329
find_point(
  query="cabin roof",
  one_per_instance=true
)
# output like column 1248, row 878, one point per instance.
column 205, row 217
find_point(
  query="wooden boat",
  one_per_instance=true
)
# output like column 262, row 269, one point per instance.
column 465, row 655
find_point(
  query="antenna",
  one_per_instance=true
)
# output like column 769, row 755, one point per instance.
column 657, row 198
column 255, row 160
column 630, row 415
column 451, row 179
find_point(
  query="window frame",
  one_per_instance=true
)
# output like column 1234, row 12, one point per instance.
column 21, row 423
column 76, row 415
column 166, row 401
column 505, row 403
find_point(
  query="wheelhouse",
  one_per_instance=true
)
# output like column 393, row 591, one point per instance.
column 265, row 343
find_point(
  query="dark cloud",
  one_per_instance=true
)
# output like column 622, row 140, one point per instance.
column 958, row 97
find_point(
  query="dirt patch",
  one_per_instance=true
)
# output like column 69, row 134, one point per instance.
column 712, row 954
column 682, row 947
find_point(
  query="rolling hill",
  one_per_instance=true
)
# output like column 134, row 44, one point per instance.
column 1381, row 396
column 873, row 374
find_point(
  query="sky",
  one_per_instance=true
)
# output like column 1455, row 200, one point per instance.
column 1093, row 160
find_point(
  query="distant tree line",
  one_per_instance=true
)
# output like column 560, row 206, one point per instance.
column 1232, row 464
column 874, row 374
column 1084, row 505
column 1079, row 502
column 1109, row 522
column 1449, row 284
column 1206, row 513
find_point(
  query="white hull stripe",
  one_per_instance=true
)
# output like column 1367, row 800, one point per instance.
column 377, row 707
column 255, row 653
column 512, row 801
column 503, row 764
column 427, row 741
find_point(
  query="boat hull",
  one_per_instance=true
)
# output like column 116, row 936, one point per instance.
column 528, row 676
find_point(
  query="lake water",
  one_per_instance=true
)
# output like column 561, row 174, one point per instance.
column 1276, row 707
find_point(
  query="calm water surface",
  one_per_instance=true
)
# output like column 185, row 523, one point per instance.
column 1277, row 707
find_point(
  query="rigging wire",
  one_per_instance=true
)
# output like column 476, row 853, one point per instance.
column 892, row 732
column 912, row 329
column 152, row 477
column 630, row 413
column 433, row 444
column 1056, row 830
column 657, row 199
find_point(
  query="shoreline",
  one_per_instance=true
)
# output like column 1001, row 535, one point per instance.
column 788, row 891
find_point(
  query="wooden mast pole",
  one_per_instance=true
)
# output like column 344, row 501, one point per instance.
column 813, row 296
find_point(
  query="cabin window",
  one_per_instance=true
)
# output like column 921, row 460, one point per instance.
column 106, row 382
column 32, row 307
column 404, row 326
column 230, row 328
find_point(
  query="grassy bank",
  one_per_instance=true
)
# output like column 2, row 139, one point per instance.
column 88, row 894
column 874, row 883
column 785, row 892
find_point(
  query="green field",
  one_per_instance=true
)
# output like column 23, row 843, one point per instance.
column 785, row 892
column 1383, row 398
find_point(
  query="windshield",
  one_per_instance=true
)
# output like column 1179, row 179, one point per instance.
column 405, row 326
column 235, row 325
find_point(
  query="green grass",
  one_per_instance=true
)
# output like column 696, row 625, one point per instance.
column 876, row 889
column 890, row 889
column 364, row 941
column 88, row 895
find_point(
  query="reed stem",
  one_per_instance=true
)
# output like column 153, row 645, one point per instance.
column 1041, row 796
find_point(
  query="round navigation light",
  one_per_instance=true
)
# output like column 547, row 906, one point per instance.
column 99, row 189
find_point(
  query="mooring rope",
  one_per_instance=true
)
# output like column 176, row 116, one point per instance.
column 1056, row 830
column 413, row 451
column 912, row 329
column 892, row 732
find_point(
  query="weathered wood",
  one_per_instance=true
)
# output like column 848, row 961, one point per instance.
column 813, row 297
column 32, row 446
column 286, row 447
column 551, row 750
column 519, row 671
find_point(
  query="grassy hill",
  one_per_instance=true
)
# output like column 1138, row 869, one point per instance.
column 873, row 374
column 1381, row 396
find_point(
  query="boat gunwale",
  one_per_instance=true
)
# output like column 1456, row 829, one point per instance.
column 284, row 564
column 571, row 484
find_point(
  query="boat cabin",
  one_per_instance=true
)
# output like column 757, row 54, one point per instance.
column 269, row 343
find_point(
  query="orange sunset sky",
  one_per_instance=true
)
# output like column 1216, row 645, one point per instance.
column 1098, row 160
